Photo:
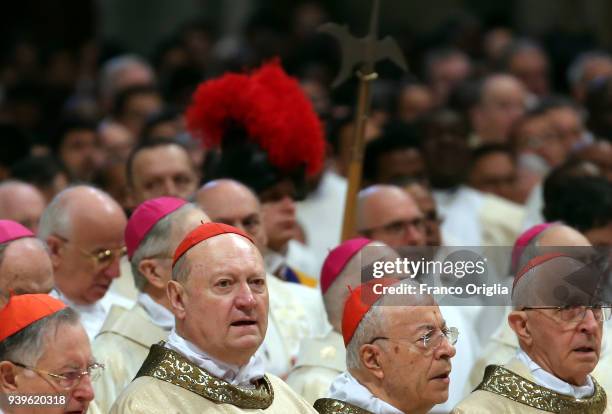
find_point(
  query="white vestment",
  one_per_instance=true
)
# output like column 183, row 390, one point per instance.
column 94, row 315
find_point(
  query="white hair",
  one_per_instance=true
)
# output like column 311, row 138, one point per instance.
column 374, row 322
column 27, row 345
column 55, row 218
column 369, row 327
column 157, row 241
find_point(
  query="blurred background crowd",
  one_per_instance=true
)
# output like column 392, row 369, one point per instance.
column 498, row 98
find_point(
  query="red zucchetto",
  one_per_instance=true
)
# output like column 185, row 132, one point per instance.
column 23, row 310
column 359, row 302
column 203, row 232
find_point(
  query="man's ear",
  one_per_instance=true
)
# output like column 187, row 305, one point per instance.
column 55, row 245
column 177, row 296
column 149, row 268
column 8, row 373
column 370, row 356
column 518, row 322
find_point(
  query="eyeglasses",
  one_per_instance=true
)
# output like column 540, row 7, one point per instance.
column 576, row 314
column 71, row 379
column 430, row 341
column 101, row 258
column 398, row 228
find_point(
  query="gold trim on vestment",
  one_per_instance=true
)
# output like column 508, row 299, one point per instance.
column 170, row 366
column 501, row 381
column 332, row 406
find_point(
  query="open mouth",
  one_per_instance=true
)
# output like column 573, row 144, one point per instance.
column 584, row 349
column 244, row 323
column 442, row 376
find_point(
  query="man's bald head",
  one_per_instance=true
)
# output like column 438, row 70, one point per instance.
column 231, row 202
column 21, row 202
column 84, row 227
column 501, row 102
column 77, row 204
column 560, row 235
column 25, row 267
column 389, row 214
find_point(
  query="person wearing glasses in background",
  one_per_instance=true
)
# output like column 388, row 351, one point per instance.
column 154, row 230
column 83, row 228
column 398, row 354
column 389, row 214
column 46, row 365
column 560, row 344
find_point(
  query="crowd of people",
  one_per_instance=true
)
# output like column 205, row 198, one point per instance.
column 170, row 228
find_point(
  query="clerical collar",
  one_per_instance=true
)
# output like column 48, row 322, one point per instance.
column 160, row 316
column 346, row 388
column 92, row 315
column 243, row 376
column 548, row 380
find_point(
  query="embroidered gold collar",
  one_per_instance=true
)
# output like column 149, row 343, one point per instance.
column 508, row 384
column 170, row 366
column 332, row 406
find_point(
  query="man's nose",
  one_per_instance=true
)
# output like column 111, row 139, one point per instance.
column 245, row 298
column 170, row 189
column 445, row 350
column 84, row 390
column 288, row 204
column 590, row 324
column 113, row 271
column 414, row 236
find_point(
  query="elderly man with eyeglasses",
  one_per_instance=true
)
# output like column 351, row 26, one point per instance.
column 559, row 332
column 46, row 365
column 83, row 228
column 398, row 354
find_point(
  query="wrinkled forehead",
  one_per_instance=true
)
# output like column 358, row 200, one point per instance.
column 413, row 318
column 222, row 252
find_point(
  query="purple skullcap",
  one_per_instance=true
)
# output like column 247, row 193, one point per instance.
column 145, row 217
column 338, row 258
column 11, row 230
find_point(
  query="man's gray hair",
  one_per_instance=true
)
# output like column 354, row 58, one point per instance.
column 55, row 218
column 157, row 241
column 370, row 327
column 113, row 68
column 181, row 269
column 374, row 322
column 575, row 73
column 27, row 346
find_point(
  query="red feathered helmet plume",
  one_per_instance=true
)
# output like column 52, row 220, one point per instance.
column 272, row 110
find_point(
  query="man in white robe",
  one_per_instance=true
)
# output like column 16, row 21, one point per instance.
column 83, row 228
column 45, row 356
column 296, row 311
column 219, row 298
column 321, row 360
column 560, row 344
column 153, row 232
column 503, row 344
column 399, row 352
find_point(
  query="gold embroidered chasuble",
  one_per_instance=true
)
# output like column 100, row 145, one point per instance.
column 333, row 406
column 169, row 383
column 512, row 389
